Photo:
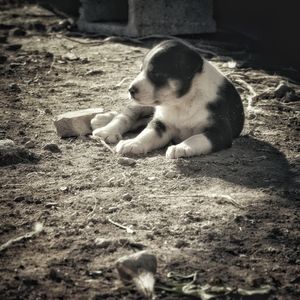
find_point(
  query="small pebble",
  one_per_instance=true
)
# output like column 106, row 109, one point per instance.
column 49, row 55
column 19, row 199
column 127, row 197
column 282, row 89
column 70, row 56
column 51, row 204
column 181, row 244
column 64, row 189
column 95, row 274
column 48, row 111
column 29, row 144
column 15, row 88
column 52, row 148
column 112, row 209
column 103, row 243
column 125, row 161
column 63, row 24
column 171, row 174
column 17, row 32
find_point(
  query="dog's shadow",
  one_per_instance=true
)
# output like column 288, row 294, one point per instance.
column 249, row 162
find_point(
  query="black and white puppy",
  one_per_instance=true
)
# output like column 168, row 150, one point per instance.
column 195, row 106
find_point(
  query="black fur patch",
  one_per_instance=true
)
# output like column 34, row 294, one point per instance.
column 158, row 126
column 173, row 60
column 227, row 117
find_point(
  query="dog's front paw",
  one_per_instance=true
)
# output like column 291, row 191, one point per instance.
column 130, row 147
column 101, row 120
column 180, row 150
column 107, row 135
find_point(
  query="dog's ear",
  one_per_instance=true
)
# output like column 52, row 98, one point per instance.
column 189, row 62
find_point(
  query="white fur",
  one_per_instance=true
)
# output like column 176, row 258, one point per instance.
column 100, row 120
column 185, row 117
column 147, row 95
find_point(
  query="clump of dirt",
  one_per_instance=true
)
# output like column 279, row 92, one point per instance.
column 231, row 217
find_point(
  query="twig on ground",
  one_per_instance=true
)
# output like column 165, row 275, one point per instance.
column 38, row 227
column 128, row 229
column 103, row 143
column 93, row 210
column 228, row 199
column 51, row 66
column 121, row 82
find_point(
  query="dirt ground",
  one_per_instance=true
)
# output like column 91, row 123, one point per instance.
column 233, row 216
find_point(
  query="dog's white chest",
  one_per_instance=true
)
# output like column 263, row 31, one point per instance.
column 184, row 121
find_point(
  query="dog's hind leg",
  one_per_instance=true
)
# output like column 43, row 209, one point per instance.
column 213, row 139
column 123, row 122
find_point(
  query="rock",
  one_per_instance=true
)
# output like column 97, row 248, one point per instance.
column 126, row 161
column 112, row 209
column 127, row 197
column 13, row 47
column 51, row 204
column 58, row 276
column 181, row 244
column 49, row 55
column 171, row 174
column 10, row 153
column 29, row 144
column 19, row 199
column 64, row 189
column 52, row 148
column 48, row 111
column 94, row 274
column 62, row 25
column 282, row 89
column 140, row 269
column 76, row 123
column 104, row 243
column 70, row 56
column 17, row 32
column 14, row 88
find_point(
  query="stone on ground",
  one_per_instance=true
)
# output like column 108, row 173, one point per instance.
column 76, row 123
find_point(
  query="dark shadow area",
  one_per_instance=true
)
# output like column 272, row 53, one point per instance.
column 259, row 244
column 271, row 25
column 249, row 162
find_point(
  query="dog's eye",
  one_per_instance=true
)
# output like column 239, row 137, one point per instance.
column 158, row 79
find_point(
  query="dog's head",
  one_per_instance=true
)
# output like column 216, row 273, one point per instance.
column 166, row 74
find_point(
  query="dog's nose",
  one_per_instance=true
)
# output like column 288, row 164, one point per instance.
column 133, row 90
